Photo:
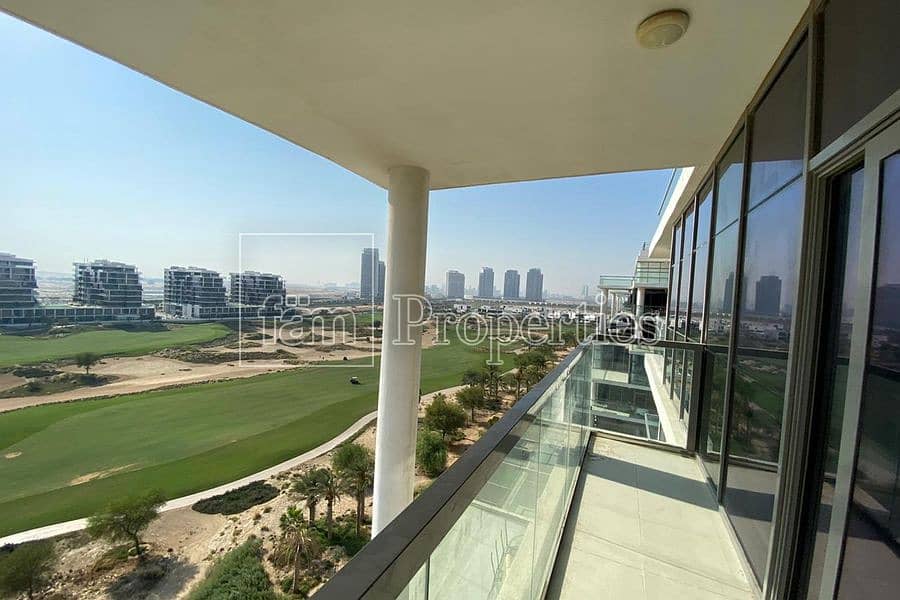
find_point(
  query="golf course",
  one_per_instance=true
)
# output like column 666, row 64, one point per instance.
column 23, row 349
column 64, row 461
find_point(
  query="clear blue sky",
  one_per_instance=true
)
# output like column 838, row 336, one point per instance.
column 98, row 161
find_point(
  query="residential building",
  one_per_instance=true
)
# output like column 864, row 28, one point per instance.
column 456, row 285
column 107, row 283
column 534, row 285
column 768, row 460
column 768, row 296
column 511, row 285
column 256, row 289
column 192, row 286
column 18, row 286
column 486, row 283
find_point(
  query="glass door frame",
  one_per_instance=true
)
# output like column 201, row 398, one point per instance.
column 883, row 145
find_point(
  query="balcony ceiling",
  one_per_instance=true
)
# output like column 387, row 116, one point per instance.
column 475, row 91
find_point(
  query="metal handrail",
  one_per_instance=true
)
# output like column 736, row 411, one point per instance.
column 385, row 566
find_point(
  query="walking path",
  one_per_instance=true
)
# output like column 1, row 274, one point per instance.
column 79, row 524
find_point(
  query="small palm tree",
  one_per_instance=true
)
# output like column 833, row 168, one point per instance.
column 297, row 546
column 355, row 466
column 331, row 492
column 309, row 487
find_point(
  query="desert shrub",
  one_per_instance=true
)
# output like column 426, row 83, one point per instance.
column 343, row 534
column 34, row 371
column 139, row 583
column 33, row 386
column 111, row 558
column 431, row 453
column 238, row 575
column 445, row 417
column 237, row 500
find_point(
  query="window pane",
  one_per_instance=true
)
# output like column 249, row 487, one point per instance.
column 871, row 567
column 704, row 214
column 860, row 58
column 841, row 299
column 701, row 257
column 712, row 415
column 776, row 156
column 731, row 176
column 768, row 289
column 721, row 289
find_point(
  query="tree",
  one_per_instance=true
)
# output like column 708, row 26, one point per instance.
column 86, row 360
column 472, row 377
column 491, row 378
column 355, row 466
column 298, row 546
column 26, row 568
column 127, row 518
column 444, row 417
column 309, row 487
column 471, row 397
column 331, row 491
column 431, row 453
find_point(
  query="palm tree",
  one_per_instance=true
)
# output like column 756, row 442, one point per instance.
column 355, row 466
column 491, row 379
column 521, row 378
column 309, row 487
column 297, row 546
column 331, row 491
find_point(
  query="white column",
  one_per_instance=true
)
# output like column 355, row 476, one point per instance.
column 639, row 302
column 398, row 388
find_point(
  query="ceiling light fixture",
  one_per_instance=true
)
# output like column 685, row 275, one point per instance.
column 662, row 29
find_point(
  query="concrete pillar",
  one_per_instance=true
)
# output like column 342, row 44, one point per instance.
column 401, row 344
column 639, row 302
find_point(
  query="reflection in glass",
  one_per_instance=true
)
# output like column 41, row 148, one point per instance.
column 768, row 290
column 684, row 287
column 731, row 177
column 871, row 566
column 721, row 287
column 673, row 280
column 829, row 408
column 711, row 419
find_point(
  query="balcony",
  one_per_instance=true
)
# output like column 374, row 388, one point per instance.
column 586, row 488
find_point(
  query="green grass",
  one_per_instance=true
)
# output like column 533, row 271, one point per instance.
column 187, row 439
column 21, row 350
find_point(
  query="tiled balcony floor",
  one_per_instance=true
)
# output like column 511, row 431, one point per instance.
column 644, row 524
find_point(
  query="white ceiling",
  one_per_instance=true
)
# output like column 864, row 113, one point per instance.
column 476, row 91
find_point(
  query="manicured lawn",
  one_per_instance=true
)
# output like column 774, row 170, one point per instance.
column 184, row 440
column 22, row 350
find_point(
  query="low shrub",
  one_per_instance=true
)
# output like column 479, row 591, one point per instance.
column 34, row 371
column 239, row 574
column 237, row 500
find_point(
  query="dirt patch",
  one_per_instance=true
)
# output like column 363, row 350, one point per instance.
column 12, row 455
column 100, row 474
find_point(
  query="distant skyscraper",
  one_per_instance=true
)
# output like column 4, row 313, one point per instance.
column 585, row 292
column 456, row 284
column 486, row 283
column 728, row 295
column 768, row 295
column 368, row 274
column 534, row 285
column 511, row 285
column 379, row 284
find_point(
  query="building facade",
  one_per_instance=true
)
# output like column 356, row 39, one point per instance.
column 251, row 288
column 486, row 283
column 371, row 276
column 18, row 285
column 511, row 285
column 456, row 284
column 193, row 286
column 534, row 285
column 107, row 283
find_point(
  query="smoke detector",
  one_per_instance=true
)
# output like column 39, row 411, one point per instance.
column 662, row 29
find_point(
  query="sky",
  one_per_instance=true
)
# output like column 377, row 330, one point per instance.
column 98, row 161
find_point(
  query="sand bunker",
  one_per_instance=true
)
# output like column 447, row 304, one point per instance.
column 100, row 474
column 11, row 455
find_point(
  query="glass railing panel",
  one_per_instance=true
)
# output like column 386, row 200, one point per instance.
column 504, row 540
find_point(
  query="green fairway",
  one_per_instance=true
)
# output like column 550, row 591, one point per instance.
column 22, row 350
column 183, row 440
